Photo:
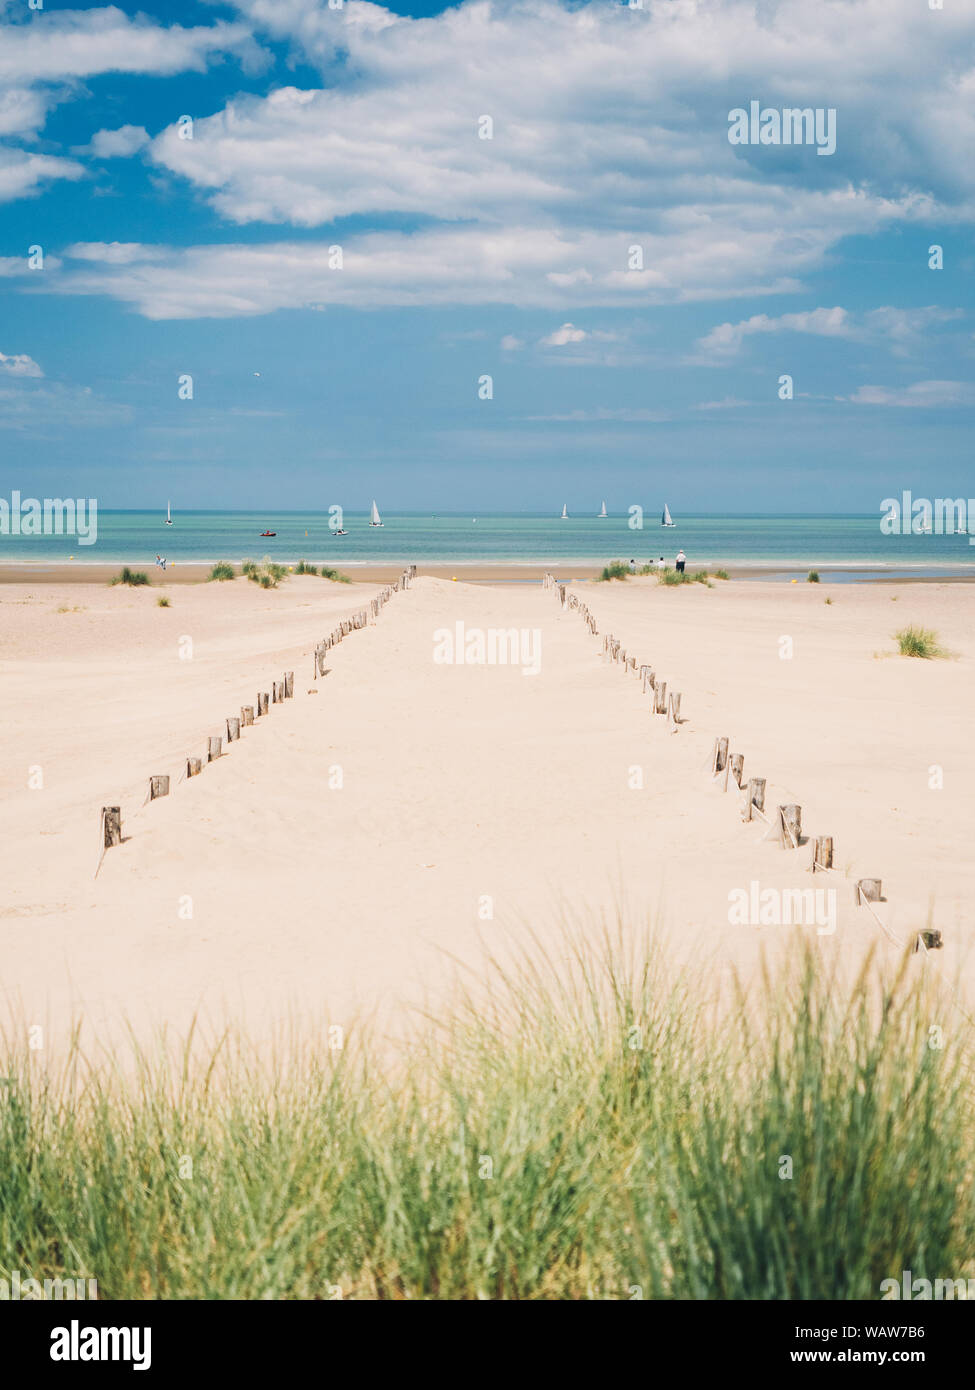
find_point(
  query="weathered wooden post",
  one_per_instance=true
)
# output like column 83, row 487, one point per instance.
column 158, row 786
column 660, row 698
column 214, row 744
column 791, row 822
column 246, row 715
column 289, row 685
column 928, row 940
column 823, row 856
column 675, row 707
column 756, row 796
column 719, row 758
column 233, row 729
column 737, row 767
column 112, row 825
column 868, row 890
column 194, row 766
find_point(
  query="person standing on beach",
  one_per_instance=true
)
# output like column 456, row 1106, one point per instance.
column 681, row 561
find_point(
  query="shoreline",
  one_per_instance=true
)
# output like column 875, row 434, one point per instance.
column 494, row 572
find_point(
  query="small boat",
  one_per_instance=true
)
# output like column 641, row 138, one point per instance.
column 602, row 514
column 375, row 519
column 667, row 519
column 169, row 515
column 269, row 533
column 340, row 532
column 565, row 512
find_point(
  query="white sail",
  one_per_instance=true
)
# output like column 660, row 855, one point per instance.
column 603, row 512
column 169, row 515
column 565, row 512
column 666, row 519
column 375, row 518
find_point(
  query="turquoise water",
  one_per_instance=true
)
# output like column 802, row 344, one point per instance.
column 135, row 537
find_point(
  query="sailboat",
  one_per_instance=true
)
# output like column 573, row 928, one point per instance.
column 667, row 519
column 169, row 515
column 565, row 512
column 602, row 514
column 375, row 519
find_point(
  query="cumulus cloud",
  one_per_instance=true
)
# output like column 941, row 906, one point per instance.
column 115, row 144
column 568, row 333
column 609, row 151
column 43, row 63
column 19, row 365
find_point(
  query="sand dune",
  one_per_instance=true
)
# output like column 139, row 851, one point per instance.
column 356, row 841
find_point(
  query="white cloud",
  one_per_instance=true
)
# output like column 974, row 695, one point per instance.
column 509, row 343
column 610, row 130
column 898, row 329
column 45, row 61
column 568, row 333
column 920, row 394
column 121, row 143
column 19, row 365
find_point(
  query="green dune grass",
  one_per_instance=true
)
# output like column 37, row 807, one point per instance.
column 592, row 1131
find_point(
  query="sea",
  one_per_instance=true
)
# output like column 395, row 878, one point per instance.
column 853, row 546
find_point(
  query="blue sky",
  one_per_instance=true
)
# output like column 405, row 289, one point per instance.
column 358, row 127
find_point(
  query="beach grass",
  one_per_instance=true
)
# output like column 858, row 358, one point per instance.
column 720, row 574
column 162, row 602
column 673, row 578
column 919, row 642
column 222, row 570
column 614, row 570
column 266, row 572
column 812, row 577
column 134, row 577
column 596, row 1129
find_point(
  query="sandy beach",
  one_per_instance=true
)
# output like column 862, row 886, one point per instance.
column 401, row 814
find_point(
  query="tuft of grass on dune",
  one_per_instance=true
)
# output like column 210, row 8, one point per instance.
column 136, row 578
column 266, row 572
column 812, row 577
column 673, row 578
column 562, row 1131
column 614, row 570
column 919, row 642
column 223, row 570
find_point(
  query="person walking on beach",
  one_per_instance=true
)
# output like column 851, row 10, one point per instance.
column 633, row 567
column 661, row 563
column 681, row 561
column 161, row 562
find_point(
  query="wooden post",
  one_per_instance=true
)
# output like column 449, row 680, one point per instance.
column 112, row 822
column 246, row 715
column 720, row 756
column 277, row 692
column 660, row 700
column 233, row 729
column 868, row 890
column 737, row 767
column 194, row 767
column 262, row 700
column 928, row 940
column 756, row 796
column 823, row 857
column 791, row 825
column 214, row 745
column 675, row 708
column 158, row 786
column 289, row 685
